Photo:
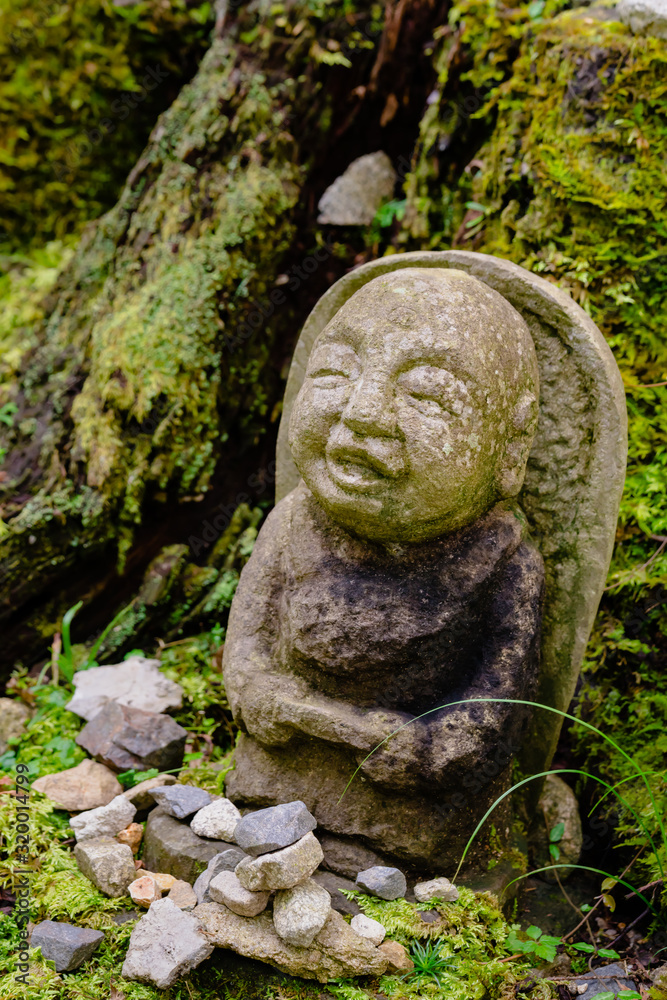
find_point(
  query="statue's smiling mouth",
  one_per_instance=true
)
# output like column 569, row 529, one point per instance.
column 360, row 469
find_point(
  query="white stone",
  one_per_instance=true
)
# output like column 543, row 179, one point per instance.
column 136, row 682
column 282, row 869
column 300, row 913
column 226, row 888
column 217, row 821
column 368, row 928
column 166, row 943
column 437, row 888
column 108, row 864
column 647, row 17
column 105, row 821
column 355, row 196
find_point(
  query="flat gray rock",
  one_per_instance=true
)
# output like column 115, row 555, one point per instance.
column 354, row 198
column 139, row 795
column 86, row 786
column 645, row 17
column 108, row 864
column 166, row 944
column 607, row 979
column 336, row 951
column 282, row 869
column 273, row 828
column 226, row 861
column 126, row 738
column 66, row 945
column 218, row 820
column 136, row 682
column 105, row 821
column 300, row 913
column 387, row 883
column 437, row 888
column 171, row 847
column 180, row 801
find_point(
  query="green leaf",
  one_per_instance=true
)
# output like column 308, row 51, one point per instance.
column 609, row 953
column 584, row 946
column 557, row 832
column 608, row 884
column 545, row 951
column 554, row 851
column 535, row 9
column 534, row 932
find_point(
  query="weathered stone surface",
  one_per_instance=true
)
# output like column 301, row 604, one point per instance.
column 108, row 864
column 86, row 786
column 131, row 836
column 164, row 880
column 282, row 869
column 437, row 888
column 348, row 857
column 333, row 884
column 226, row 861
column 217, row 821
column 387, row 883
column 336, row 951
column 180, row 801
column 270, row 829
column 166, row 943
column 607, row 979
column 105, row 821
column 355, row 196
column 582, row 433
column 172, row 847
column 66, row 945
column 144, row 891
column 140, row 795
column 13, row 717
column 397, row 956
column 226, row 888
column 644, row 17
column 129, row 738
column 299, row 914
column 136, row 682
column 183, row 895
column 558, row 804
column 368, row 928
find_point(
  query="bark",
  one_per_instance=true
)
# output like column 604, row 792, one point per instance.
column 147, row 383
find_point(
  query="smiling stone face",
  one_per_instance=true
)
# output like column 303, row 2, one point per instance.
column 419, row 406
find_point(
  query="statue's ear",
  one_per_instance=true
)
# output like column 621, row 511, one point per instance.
column 511, row 467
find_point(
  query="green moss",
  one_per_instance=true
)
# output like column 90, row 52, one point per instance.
column 80, row 87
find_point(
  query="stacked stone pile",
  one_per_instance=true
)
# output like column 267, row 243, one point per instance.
column 209, row 876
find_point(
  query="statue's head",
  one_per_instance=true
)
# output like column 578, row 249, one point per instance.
column 419, row 406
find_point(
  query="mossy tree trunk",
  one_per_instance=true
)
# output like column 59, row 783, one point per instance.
column 141, row 394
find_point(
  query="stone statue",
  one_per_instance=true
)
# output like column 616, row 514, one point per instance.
column 404, row 568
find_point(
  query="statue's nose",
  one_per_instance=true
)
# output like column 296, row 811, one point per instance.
column 370, row 409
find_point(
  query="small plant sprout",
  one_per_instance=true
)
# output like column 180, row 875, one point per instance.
column 429, row 961
column 555, row 837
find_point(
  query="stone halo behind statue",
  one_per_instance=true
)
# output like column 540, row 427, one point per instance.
column 401, row 581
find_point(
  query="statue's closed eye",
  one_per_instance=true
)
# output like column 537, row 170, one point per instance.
column 432, row 390
column 333, row 365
